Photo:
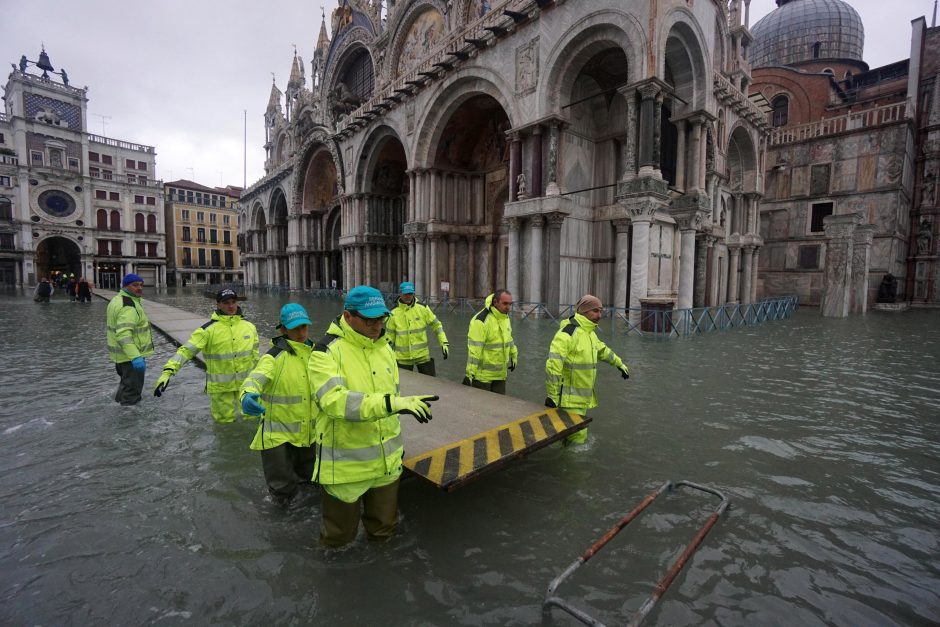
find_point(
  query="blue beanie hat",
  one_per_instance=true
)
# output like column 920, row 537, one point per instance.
column 131, row 278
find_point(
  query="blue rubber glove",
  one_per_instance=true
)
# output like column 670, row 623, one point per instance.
column 139, row 364
column 251, row 406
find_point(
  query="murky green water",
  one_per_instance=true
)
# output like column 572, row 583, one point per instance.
column 825, row 433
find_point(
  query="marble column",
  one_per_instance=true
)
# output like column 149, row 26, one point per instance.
column 680, row 155
column 472, row 263
column 537, row 224
column 686, row 265
column 862, row 240
column 746, row 270
column 452, row 265
column 515, row 166
column 701, row 271
column 640, row 258
column 512, row 260
column 628, row 172
column 840, row 254
column 658, row 135
column 535, row 188
column 648, row 95
column 754, row 267
column 369, row 262
column 553, row 187
column 419, row 265
column 695, row 165
column 734, row 254
column 551, row 293
column 434, row 285
column 622, row 263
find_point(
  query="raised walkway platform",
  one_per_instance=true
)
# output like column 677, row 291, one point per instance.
column 473, row 431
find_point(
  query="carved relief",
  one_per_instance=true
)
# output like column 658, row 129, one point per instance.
column 527, row 67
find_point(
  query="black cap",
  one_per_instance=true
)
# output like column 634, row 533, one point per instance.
column 227, row 292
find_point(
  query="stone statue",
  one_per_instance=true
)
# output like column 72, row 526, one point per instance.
column 924, row 237
column 521, row 186
column 888, row 290
column 65, row 77
column 928, row 189
column 23, row 63
column 343, row 100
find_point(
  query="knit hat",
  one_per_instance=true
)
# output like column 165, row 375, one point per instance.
column 587, row 303
column 131, row 278
column 366, row 301
column 293, row 315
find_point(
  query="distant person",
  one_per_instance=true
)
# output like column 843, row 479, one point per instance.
column 229, row 347
column 130, row 339
column 278, row 392
column 354, row 377
column 407, row 330
column 83, row 290
column 70, row 288
column 571, row 368
column 491, row 352
column 43, row 291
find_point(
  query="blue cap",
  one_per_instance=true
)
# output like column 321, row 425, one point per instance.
column 131, row 278
column 293, row 315
column 366, row 301
column 406, row 288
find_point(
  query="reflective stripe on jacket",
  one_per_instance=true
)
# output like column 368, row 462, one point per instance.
column 490, row 347
column 356, row 436
column 571, row 368
column 407, row 332
column 229, row 347
column 282, row 380
column 129, row 334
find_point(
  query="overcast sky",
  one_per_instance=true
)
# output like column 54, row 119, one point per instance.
column 179, row 75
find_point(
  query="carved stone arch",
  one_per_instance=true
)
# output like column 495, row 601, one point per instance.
column 742, row 159
column 282, row 149
column 320, row 136
column 403, row 27
column 369, row 152
column 454, row 91
column 680, row 44
column 356, row 39
column 257, row 216
column 589, row 35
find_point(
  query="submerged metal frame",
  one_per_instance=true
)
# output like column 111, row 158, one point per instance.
column 552, row 600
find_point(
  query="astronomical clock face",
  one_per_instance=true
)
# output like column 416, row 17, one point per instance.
column 56, row 203
column 52, row 111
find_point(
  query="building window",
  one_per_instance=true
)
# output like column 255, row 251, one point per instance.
column 142, row 166
column 151, row 201
column 114, row 196
column 225, row 221
column 6, row 241
column 106, row 159
column 187, row 235
column 102, row 219
column 151, row 223
column 6, row 209
column 222, row 201
column 130, row 164
column 187, row 256
column 107, row 175
column 809, row 257
column 93, row 156
column 216, row 262
column 202, row 257
column 73, row 163
column 139, row 200
column 141, row 248
column 141, row 179
column 184, row 215
column 229, row 259
column 212, row 218
column 781, row 110
column 151, row 249
column 5, row 181
column 103, row 247
column 817, row 48
column 189, row 197
column 35, row 157
column 100, row 194
column 820, row 211
column 116, row 248
column 131, row 179
column 226, row 237
column 115, row 221
column 201, row 235
column 139, row 222
column 200, row 216
column 95, row 172
column 213, row 236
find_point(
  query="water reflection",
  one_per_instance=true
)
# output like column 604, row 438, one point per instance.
column 824, row 433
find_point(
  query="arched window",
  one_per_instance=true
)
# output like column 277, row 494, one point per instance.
column 151, row 223
column 781, row 110
column 828, row 70
column 115, row 220
column 139, row 222
column 102, row 219
column 817, row 48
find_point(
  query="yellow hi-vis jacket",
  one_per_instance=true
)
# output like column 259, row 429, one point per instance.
column 281, row 378
column 571, row 368
column 489, row 344
column 407, row 332
column 357, row 436
column 229, row 346
column 129, row 334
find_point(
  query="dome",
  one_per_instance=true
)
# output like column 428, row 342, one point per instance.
column 806, row 30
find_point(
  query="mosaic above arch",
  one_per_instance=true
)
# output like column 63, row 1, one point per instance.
column 425, row 33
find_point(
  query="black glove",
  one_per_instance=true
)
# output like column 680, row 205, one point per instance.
column 162, row 382
column 512, row 365
column 624, row 371
column 445, row 349
column 549, row 402
column 466, row 381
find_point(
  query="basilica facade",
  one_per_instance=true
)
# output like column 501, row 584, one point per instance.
column 550, row 147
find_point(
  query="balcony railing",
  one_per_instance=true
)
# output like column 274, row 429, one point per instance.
column 853, row 121
column 120, row 143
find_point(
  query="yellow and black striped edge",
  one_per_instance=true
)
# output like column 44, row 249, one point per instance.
column 455, row 464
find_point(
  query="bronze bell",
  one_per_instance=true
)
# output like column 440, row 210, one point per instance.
column 44, row 63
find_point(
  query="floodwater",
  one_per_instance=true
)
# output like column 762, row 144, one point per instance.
column 824, row 433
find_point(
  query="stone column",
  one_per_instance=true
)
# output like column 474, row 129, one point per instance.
column 622, row 263
column 680, row 155
column 419, row 265
column 648, row 95
column 748, row 265
column 472, row 263
column 695, row 164
column 629, row 139
column 686, row 262
column 553, row 188
column 862, row 239
column 714, row 275
column 368, row 261
column 701, row 271
column 658, row 135
column 411, row 259
column 512, row 259
column 840, row 253
column 642, row 216
column 452, row 264
column 515, row 166
column 434, row 285
column 535, row 187
column 552, row 292
column 734, row 254
column 538, row 258
column 434, row 204
column 754, row 268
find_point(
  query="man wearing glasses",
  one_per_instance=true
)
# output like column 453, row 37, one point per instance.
column 354, row 376
column 571, row 368
column 491, row 351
